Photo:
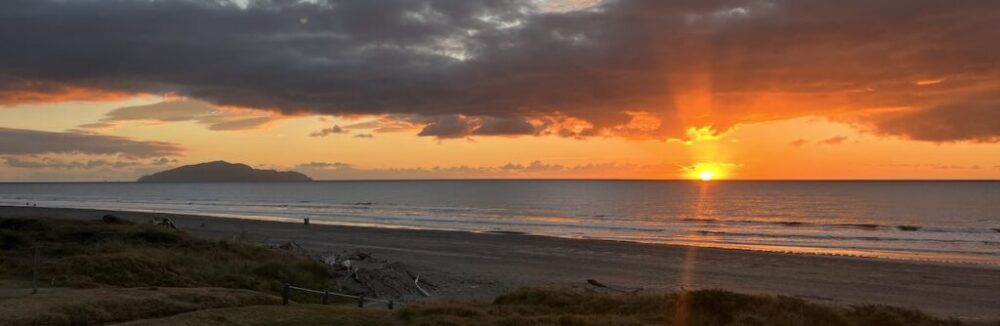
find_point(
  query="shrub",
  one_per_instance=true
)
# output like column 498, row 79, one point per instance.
column 111, row 219
column 11, row 240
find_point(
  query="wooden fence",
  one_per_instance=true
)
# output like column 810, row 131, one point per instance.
column 326, row 294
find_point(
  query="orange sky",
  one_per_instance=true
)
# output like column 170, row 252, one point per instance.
column 633, row 89
column 799, row 148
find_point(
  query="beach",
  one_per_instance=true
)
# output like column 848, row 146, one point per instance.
column 479, row 266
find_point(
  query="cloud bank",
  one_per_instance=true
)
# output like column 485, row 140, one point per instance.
column 35, row 142
column 632, row 68
column 534, row 169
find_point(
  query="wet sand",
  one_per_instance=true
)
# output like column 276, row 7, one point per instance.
column 480, row 266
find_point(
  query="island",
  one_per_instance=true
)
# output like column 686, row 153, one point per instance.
column 222, row 171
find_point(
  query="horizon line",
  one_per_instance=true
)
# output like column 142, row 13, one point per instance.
column 540, row 179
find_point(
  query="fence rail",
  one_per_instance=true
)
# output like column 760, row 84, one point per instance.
column 326, row 294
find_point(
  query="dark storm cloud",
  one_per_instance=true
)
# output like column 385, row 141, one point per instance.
column 32, row 142
column 443, row 60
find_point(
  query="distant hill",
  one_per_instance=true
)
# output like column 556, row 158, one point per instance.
column 222, row 171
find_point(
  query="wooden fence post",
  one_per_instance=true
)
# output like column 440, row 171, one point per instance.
column 326, row 294
column 361, row 301
column 34, row 275
column 284, row 294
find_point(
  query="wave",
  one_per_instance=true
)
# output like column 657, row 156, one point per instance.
column 856, row 226
column 841, row 237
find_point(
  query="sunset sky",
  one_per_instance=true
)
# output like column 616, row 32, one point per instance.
column 756, row 89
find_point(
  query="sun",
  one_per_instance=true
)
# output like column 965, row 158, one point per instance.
column 708, row 171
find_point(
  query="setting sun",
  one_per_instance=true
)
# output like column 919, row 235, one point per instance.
column 706, row 175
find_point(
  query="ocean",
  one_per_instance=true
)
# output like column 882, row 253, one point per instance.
column 944, row 221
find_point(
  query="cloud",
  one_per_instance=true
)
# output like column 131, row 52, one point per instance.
column 459, row 126
column 505, row 126
column 448, row 126
column 163, row 161
column 369, row 136
column 799, row 142
column 322, row 165
column 32, row 142
column 15, row 91
column 686, row 64
column 939, row 166
column 534, row 169
column 176, row 110
column 50, row 163
column 328, row 131
column 836, row 140
column 977, row 121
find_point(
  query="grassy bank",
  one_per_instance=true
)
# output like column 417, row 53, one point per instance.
column 538, row 306
column 115, row 253
column 105, row 305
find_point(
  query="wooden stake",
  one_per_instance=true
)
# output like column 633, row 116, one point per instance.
column 34, row 277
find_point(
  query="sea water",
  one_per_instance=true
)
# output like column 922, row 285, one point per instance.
column 945, row 221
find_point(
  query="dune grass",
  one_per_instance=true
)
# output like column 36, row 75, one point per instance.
column 544, row 306
column 113, row 252
column 298, row 315
column 539, row 306
column 104, row 305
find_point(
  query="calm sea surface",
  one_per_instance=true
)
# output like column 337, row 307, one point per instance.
column 941, row 221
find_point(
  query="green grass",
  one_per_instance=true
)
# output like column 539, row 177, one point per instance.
column 115, row 253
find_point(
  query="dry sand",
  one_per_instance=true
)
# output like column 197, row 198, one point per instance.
column 480, row 266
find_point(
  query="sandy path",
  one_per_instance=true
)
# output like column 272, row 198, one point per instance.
column 480, row 266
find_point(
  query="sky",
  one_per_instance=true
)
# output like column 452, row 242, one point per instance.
column 110, row 90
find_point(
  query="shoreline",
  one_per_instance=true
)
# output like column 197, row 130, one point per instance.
column 919, row 257
column 481, row 265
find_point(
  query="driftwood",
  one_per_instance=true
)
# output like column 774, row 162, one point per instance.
column 602, row 285
column 416, row 282
column 164, row 222
column 361, row 274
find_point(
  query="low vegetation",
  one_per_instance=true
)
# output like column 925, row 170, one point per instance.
column 111, row 270
column 297, row 315
column 104, row 305
column 538, row 306
column 115, row 253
